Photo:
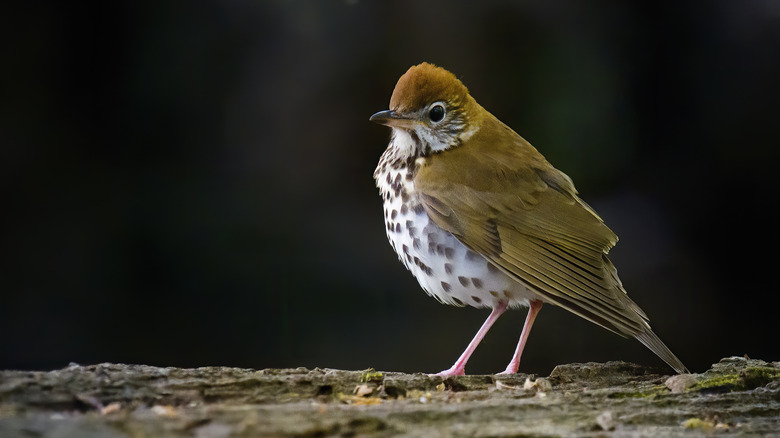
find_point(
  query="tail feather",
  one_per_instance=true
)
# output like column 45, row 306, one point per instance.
column 651, row 341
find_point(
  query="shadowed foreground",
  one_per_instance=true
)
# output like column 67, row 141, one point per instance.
column 736, row 396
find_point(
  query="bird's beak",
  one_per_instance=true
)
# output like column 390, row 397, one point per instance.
column 393, row 119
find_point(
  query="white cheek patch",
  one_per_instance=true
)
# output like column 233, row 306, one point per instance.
column 467, row 135
column 436, row 143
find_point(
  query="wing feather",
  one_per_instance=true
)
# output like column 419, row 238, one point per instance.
column 502, row 199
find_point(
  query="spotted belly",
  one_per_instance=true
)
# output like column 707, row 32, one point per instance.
column 445, row 268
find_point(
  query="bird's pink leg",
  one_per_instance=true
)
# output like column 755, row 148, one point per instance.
column 459, row 368
column 533, row 309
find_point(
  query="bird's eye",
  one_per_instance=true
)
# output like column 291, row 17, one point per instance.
column 436, row 113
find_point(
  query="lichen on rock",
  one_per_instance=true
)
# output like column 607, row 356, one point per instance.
column 736, row 395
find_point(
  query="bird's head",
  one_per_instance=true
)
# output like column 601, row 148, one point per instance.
column 432, row 107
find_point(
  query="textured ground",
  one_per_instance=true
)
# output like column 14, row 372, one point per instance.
column 737, row 396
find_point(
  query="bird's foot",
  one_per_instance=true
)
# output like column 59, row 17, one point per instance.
column 510, row 369
column 454, row 371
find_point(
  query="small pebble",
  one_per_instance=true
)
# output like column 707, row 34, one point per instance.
column 605, row 421
column 541, row 384
column 680, row 382
column 363, row 390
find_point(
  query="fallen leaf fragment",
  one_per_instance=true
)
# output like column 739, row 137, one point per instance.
column 165, row 411
column 111, row 408
column 363, row 390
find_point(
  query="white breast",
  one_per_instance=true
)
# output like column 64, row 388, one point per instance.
column 445, row 268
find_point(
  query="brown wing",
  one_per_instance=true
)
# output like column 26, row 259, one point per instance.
column 502, row 199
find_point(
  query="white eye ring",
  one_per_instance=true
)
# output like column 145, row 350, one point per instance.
column 437, row 112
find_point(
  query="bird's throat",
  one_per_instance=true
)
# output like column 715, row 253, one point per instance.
column 408, row 144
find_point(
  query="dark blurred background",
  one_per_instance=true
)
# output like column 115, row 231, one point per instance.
column 190, row 183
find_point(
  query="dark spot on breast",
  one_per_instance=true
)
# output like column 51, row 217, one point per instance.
column 416, row 243
column 446, row 286
column 431, row 248
column 412, row 231
column 494, row 293
column 464, row 281
column 477, row 282
column 416, row 141
column 397, row 179
column 404, row 196
column 389, row 178
column 492, row 268
column 459, row 302
column 419, row 209
column 409, row 176
column 398, row 227
column 394, row 214
column 406, row 249
column 471, row 255
column 449, row 253
column 476, row 299
column 440, row 249
column 448, row 268
column 404, row 209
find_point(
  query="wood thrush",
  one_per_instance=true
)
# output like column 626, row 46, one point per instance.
column 481, row 218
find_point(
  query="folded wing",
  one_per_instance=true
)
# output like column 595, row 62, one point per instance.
column 509, row 204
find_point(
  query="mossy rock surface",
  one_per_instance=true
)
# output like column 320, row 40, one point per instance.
column 737, row 396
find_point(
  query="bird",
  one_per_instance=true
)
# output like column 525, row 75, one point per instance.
column 482, row 219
